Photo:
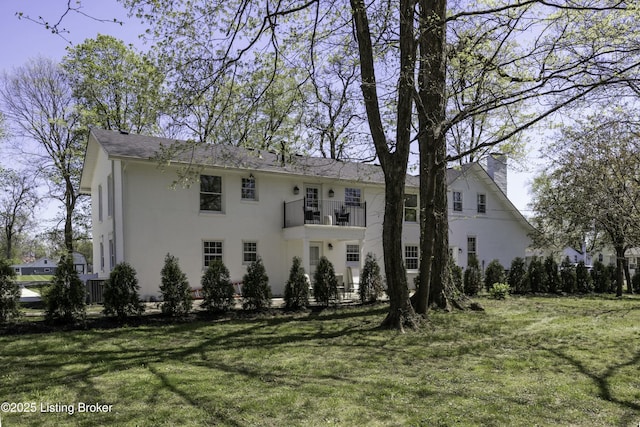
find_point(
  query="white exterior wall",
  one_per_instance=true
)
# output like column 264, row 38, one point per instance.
column 159, row 220
column 151, row 219
column 499, row 233
column 103, row 229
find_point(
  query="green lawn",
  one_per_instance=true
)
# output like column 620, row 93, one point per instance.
column 522, row 362
column 34, row 278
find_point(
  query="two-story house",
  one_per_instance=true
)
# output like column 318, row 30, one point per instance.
column 241, row 204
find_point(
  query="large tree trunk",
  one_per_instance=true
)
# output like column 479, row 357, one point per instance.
column 401, row 313
column 393, row 157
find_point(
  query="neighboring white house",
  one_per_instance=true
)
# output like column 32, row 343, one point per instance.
column 245, row 204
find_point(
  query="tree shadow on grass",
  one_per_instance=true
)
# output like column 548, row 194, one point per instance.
column 603, row 380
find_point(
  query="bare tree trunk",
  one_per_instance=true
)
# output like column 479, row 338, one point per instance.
column 627, row 275
column 619, row 269
column 394, row 160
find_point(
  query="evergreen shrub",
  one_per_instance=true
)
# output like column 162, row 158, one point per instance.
column 9, row 293
column 517, row 278
column 584, row 282
column 472, row 277
column 371, row 285
column 535, row 276
column 296, row 291
column 217, row 289
column 601, row 277
column 568, row 277
column 256, row 293
column 65, row 299
column 493, row 274
column 325, row 284
column 551, row 276
column 175, row 290
column 121, row 292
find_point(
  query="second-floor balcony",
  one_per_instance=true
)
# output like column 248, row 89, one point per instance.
column 324, row 212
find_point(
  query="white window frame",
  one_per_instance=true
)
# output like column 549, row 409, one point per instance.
column 472, row 247
column 212, row 250
column 249, row 251
column 353, row 254
column 457, row 201
column 219, row 194
column 409, row 208
column 112, row 254
column 352, row 196
column 482, row 203
column 412, row 254
column 100, row 204
column 101, row 256
column 248, row 189
column 110, row 196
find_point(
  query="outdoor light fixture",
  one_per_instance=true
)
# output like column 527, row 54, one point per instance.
column 331, row 193
column 296, row 190
column 330, row 246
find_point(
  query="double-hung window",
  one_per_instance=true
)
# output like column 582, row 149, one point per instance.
column 212, row 250
column 411, row 207
column 249, row 252
column 248, row 191
column 353, row 253
column 482, row 203
column 457, row 201
column 352, row 196
column 210, row 193
column 411, row 257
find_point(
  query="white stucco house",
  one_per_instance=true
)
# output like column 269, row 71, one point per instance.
column 243, row 204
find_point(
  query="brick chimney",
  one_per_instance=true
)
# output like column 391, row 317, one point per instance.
column 497, row 170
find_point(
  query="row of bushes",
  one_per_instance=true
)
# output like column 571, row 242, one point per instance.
column 540, row 276
column 65, row 297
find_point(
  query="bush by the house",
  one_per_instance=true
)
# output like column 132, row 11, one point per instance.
column 472, row 277
column 517, row 278
column 121, row 292
column 584, row 282
column 9, row 293
column 601, row 277
column 499, row 290
column 325, row 284
column 493, row 274
column 175, row 290
column 217, row 289
column 535, row 276
column 65, row 299
column 568, row 276
column 635, row 281
column 256, row 293
column 371, row 286
column 551, row 277
column 296, row 291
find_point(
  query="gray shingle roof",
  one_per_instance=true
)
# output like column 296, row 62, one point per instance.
column 130, row 146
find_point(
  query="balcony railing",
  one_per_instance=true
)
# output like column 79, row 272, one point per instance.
column 324, row 212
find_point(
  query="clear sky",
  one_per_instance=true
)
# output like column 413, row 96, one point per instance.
column 22, row 40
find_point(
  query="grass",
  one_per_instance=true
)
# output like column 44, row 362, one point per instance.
column 33, row 278
column 524, row 361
